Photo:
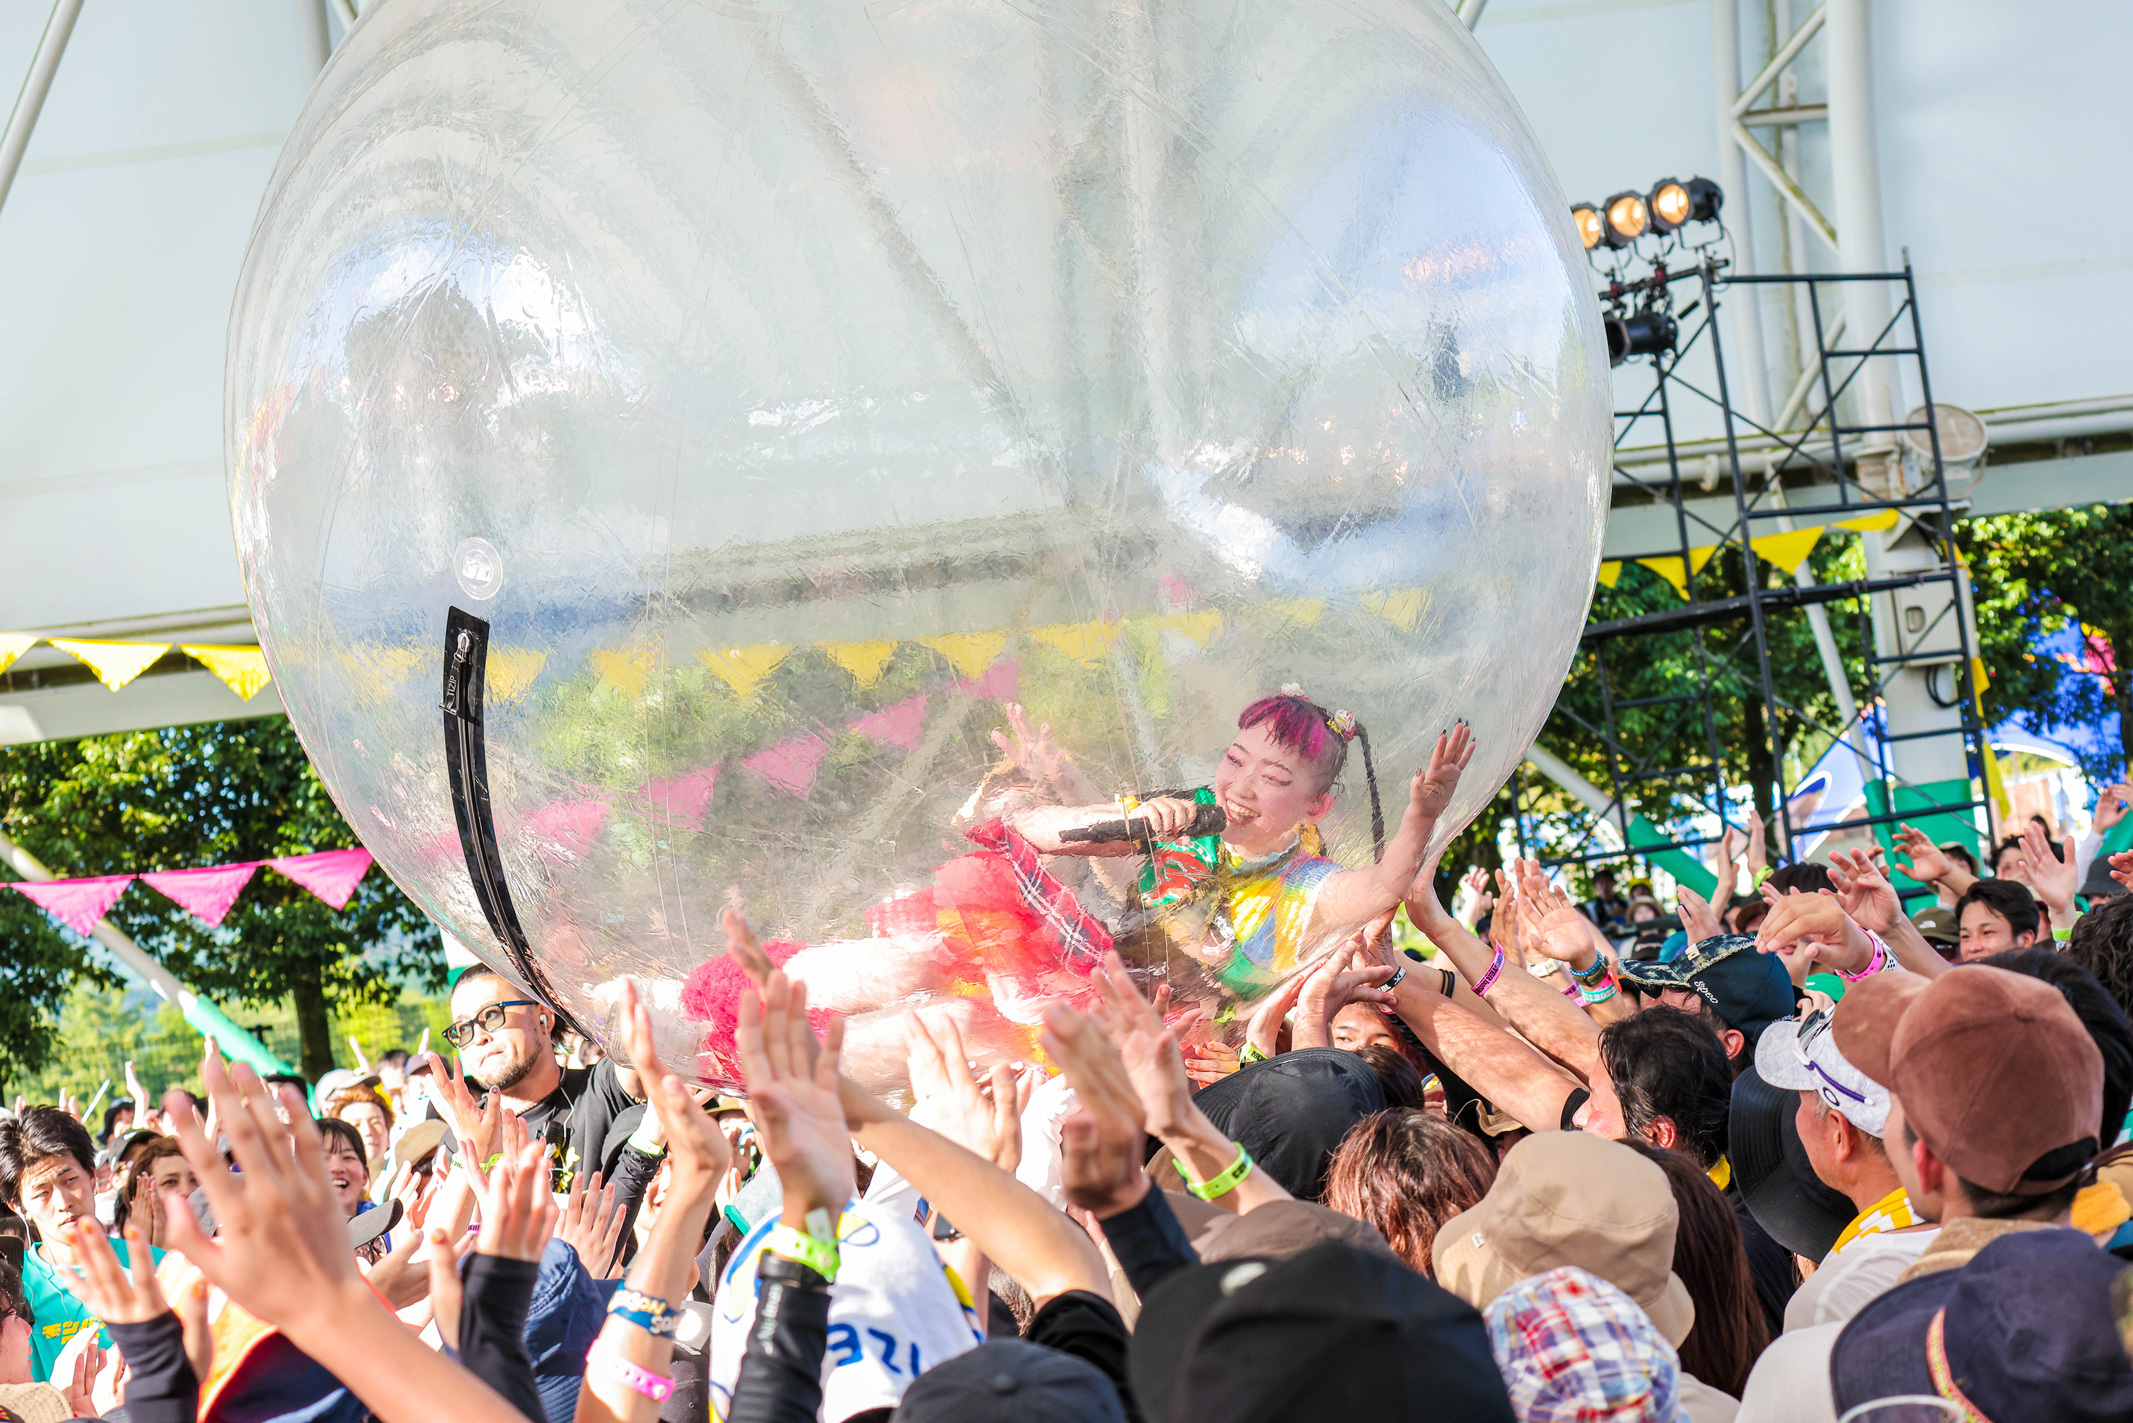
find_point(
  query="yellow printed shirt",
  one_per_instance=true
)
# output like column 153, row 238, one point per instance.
column 1892, row 1212
column 59, row 1313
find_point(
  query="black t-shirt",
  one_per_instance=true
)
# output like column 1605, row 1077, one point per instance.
column 1092, row 1330
column 1769, row 1263
column 576, row 1119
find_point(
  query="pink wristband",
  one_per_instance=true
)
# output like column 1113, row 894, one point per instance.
column 642, row 1380
column 1876, row 964
column 1488, row 980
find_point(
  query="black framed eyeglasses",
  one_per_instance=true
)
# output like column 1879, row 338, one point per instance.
column 488, row 1020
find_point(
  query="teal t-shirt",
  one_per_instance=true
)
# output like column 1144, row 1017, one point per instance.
column 59, row 1314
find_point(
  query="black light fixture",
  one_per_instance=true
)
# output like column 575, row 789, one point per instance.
column 1639, row 333
column 1592, row 230
column 1626, row 219
column 1675, row 204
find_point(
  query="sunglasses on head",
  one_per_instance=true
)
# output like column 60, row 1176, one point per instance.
column 488, row 1020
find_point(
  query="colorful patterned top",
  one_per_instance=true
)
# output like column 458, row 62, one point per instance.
column 1257, row 910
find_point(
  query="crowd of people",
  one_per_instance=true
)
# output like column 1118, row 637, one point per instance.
column 1795, row 1151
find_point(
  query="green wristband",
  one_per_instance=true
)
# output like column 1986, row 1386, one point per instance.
column 818, row 1255
column 1223, row 1184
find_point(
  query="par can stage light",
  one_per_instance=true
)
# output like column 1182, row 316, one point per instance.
column 1675, row 204
column 1592, row 230
column 1638, row 333
column 1626, row 219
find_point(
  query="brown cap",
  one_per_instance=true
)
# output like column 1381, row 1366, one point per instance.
column 1570, row 1198
column 1993, row 1071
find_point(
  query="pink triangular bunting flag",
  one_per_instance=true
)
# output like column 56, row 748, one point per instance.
column 76, row 903
column 996, row 685
column 332, row 875
column 568, row 825
column 684, row 799
column 899, row 725
column 207, row 893
column 790, row 765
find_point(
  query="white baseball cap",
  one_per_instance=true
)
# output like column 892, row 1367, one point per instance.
column 1802, row 1054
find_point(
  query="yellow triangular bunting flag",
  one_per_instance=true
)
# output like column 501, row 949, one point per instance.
column 743, row 668
column 1402, row 609
column 242, row 669
column 1698, row 557
column 1787, row 550
column 13, row 645
column 1199, row 627
column 864, row 660
column 114, row 663
column 511, row 671
column 1669, row 569
column 969, row 653
column 1303, row 610
column 1084, row 642
column 1610, row 572
column 1886, row 519
column 626, row 669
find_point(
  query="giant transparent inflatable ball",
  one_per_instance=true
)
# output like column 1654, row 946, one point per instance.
column 667, row 441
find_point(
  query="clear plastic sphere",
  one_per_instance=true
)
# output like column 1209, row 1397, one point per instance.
column 791, row 389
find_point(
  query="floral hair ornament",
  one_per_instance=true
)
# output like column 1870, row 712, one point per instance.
column 1341, row 723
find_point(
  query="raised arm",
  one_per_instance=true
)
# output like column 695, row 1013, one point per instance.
column 1351, row 897
column 1870, row 901
column 1542, row 1015
column 1551, row 925
column 1508, row 1072
column 281, row 1251
column 1921, row 859
column 2051, row 876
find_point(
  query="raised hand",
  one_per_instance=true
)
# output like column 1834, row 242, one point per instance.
column 280, row 1247
column 1350, row 974
column 1728, row 872
column 446, row 1291
column 741, row 944
column 1758, row 847
column 1207, row 1063
column 1149, row 1049
column 1474, row 896
column 1270, row 1015
column 1864, row 891
column 1550, row 922
column 115, row 1293
column 518, row 1211
column 697, row 1151
column 2122, row 868
column 2049, row 875
column 475, row 1127
column 1434, row 785
column 1698, row 920
column 1813, row 926
column 1033, row 751
column 792, row 1084
column 591, row 1224
column 2111, row 806
column 984, row 1119
column 1102, row 1139
column 1920, row 858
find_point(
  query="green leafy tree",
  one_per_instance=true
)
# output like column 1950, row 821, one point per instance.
column 2038, row 574
column 204, row 795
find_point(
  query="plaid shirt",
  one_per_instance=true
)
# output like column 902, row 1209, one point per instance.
column 1575, row 1349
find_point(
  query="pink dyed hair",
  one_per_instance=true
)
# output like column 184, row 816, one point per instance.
column 1299, row 724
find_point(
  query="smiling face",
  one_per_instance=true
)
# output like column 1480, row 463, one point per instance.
column 1267, row 791
column 369, row 1122
column 1984, row 931
column 345, row 1168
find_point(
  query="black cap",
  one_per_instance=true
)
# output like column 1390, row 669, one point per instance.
column 1011, row 1381
column 1334, row 1335
column 1749, row 990
column 2026, row 1330
column 1291, row 1112
column 2098, row 884
column 1771, row 1171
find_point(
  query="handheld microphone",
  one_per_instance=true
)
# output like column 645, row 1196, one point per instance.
column 1206, row 820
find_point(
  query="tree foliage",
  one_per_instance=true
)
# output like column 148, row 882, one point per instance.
column 180, row 798
column 2037, row 574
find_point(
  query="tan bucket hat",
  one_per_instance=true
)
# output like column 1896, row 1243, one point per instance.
column 1571, row 1198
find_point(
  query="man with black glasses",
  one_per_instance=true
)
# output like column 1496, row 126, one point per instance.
column 506, row 1042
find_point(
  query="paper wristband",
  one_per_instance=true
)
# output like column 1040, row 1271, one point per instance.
column 1488, row 980
column 656, row 1387
column 1220, row 1185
